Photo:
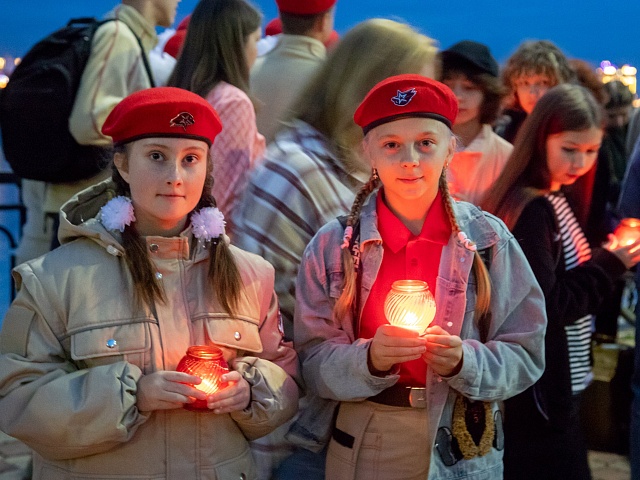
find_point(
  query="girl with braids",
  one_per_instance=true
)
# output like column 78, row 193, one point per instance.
column 90, row 345
column 411, row 405
column 558, row 144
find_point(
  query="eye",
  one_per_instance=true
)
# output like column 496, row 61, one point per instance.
column 191, row 158
column 390, row 145
column 156, row 156
column 568, row 149
column 426, row 143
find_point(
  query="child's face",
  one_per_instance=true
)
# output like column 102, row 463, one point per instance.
column 166, row 177
column 469, row 95
column 571, row 154
column 530, row 87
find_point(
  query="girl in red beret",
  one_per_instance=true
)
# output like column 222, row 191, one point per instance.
column 91, row 345
column 403, row 400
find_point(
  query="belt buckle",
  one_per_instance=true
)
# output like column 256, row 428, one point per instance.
column 418, row 397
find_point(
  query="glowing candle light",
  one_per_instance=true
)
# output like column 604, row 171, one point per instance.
column 208, row 363
column 410, row 304
column 628, row 231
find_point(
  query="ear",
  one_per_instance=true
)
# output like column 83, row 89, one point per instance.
column 451, row 150
column 364, row 148
column 122, row 164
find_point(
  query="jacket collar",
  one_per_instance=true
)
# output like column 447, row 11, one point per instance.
column 470, row 218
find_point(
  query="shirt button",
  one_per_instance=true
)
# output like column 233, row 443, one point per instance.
column 154, row 247
column 449, row 324
column 463, row 259
column 158, row 275
column 439, row 379
column 111, row 343
column 237, row 336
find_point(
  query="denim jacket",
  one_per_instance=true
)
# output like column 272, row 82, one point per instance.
column 334, row 360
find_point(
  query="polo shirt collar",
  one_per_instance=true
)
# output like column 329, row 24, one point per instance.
column 396, row 235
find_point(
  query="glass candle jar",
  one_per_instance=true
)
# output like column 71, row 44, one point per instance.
column 410, row 304
column 628, row 231
column 208, row 363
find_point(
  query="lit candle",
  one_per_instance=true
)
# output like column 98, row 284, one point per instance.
column 628, row 231
column 410, row 304
column 208, row 363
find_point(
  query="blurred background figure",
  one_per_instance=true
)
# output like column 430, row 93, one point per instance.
column 218, row 52
column 278, row 76
column 470, row 70
column 535, row 67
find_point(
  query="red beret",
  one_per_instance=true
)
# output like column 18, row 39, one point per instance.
column 406, row 95
column 304, row 7
column 162, row 112
column 174, row 44
column 274, row 27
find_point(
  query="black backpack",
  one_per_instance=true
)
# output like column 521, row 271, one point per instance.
column 36, row 104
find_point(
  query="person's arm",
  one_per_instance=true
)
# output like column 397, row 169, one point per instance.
column 629, row 201
column 333, row 367
column 47, row 402
column 115, row 69
column 512, row 359
column 236, row 149
column 571, row 294
column 272, row 373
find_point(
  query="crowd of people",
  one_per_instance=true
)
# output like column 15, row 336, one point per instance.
column 264, row 198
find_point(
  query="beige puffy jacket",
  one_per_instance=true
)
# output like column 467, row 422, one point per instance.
column 72, row 398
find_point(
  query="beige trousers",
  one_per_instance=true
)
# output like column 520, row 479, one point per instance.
column 378, row 442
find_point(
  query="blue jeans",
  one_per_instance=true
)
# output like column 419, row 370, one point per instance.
column 302, row 464
column 634, row 440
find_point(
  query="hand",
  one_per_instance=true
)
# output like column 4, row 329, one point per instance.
column 165, row 390
column 236, row 396
column 628, row 254
column 444, row 351
column 392, row 344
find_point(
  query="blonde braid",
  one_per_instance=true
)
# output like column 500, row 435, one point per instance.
column 345, row 301
column 483, row 281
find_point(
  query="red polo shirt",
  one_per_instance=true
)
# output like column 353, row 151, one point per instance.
column 406, row 256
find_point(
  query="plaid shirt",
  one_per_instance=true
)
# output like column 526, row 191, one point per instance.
column 300, row 186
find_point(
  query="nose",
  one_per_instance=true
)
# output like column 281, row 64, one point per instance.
column 580, row 160
column 411, row 158
column 174, row 175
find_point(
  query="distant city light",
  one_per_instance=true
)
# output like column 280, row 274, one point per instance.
column 626, row 74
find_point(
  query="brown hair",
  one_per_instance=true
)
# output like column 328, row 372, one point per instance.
column 536, row 57
column 293, row 24
column 483, row 281
column 214, row 47
column 223, row 273
column 526, row 175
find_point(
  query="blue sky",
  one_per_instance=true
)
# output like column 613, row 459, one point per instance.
column 586, row 29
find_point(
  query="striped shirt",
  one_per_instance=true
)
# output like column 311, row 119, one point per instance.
column 576, row 250
column 300, row 186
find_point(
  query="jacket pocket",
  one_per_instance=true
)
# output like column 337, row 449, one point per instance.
column 104, row 345
column 241, row 467
column 240, row 334
column 336, row 283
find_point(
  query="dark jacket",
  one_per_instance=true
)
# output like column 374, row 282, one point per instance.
column 569, row 296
